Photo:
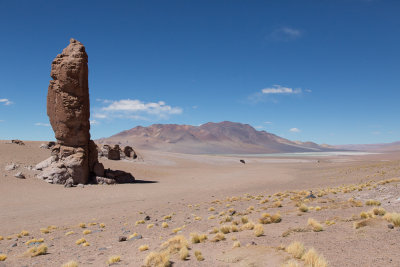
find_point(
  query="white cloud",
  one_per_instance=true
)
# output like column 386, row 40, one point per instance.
column 277, row 89
column 93, row 122
column 308, row 90
column 267, row 122
column 286, row 34
column 259, row 127
column 1, row 120
column 42, row 124
column 294, row 130
column 5, row 101
column 134, row 109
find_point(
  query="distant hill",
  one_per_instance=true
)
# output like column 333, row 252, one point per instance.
column 384, row 147
column 211, row 138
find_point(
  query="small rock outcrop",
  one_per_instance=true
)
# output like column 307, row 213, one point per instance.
column 74, row 156
column 114, row 153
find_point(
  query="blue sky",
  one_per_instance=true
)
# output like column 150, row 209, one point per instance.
column 325, row 71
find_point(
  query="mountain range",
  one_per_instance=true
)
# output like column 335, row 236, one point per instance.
column 210, row 138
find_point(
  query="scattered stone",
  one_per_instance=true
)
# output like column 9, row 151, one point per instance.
column 311, row 195
column 147, row 218
column 14, row 245
column 81, row 185
column 103, row 180
column 233, row 213
column 242, row 161
column 102, row 249
column 69, row 183
column 120, row 177
column 18, row 142
column 11, row 167
column 135, row 238
column 122, row 238
column 114, row 153
column 19, row 175
column 390, row 226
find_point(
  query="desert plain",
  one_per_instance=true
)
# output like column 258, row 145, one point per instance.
column 211, row 201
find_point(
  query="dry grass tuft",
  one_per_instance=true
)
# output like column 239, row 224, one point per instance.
column 303, row 208
column 143, row 248
column 291, row 263
column 69, row 233
column 36, row 251
column 225, row 229
column 312, row 259
column 318, row 208
column 70, row 264
column 378, row 211
column 245, row 219
column 360, row 224
column 236, row 244
column 258, row 230
column 164, row 225
column 157, row 259
column 316, row 226
column 114, row 259
column 1, row 238
column 24, row 233
column 92, row 223
column 3, row 257
column 132, row 235
column 175, row 244
column 218, row 237
column 247, row 226
column 183, row 253
column 149, row 226
column 211, row 209
column 296, row 249
column 86, row 244
column 80, row 241
column 234, row 228
column 44, row 230
column 277, row 204
column 82, row 225
column 198, row 255
column 86, row 232
column 393, row 218
column 102, row 225
column 139, row 222
column 372, row 202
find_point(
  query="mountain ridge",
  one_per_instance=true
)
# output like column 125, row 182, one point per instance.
column 210, row 138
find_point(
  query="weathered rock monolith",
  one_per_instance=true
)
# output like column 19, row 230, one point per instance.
column 75, row 155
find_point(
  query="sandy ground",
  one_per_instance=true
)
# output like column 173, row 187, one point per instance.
column 186, row 186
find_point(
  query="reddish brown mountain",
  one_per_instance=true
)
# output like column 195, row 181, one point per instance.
column 219, row 138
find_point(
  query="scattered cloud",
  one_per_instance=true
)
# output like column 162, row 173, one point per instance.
column 278, row 89
column 259, row 127
column 267, row 122
column 307, row 90
column 135, row 109
column 376, row 132
column 5, row 101
column 294, row 130
column 1, row 120
column 286, row 34
column 42, row 124
column 93, row 122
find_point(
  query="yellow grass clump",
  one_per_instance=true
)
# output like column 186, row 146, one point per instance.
column 316, row 226
column 372, row 202
column 296, row 249
column 70, row 264
column 258, row 230
column 277, row 204
column 69, row 233
column 197, row 218
column 211, row 209
column 80, row 241
column 291, row 263
column 113, row 259
column 92, row 224
column 157, row 259
column 360, row 224
column 236, row 244
column 143, row 248
column 82, row 225
column 211, row 217
column 167, row 217
column 393, row 218
column 318, row 208
column 218, row 237
column 303, row 208
column 149, row 226
column 225, row 229
column 3, row 257
column 44, row 230
column 234, row 228
column 329, row 223
column 24, row 233
column 198, row 255
column 86, row 244
column 86, row 232
column 176, row 230
column 164, row 225
column 247, row 226
column 1, row 238
column 378, row 211
column 36, row 251
column 132, row 235
column 175, row 244
column 139, row 222
column 40, row 240
column 184, row 253
column 312, row 259
column 364, row 215
column 102, row 225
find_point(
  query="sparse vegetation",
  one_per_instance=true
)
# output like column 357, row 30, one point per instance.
column 113, row 259
column 80, row 241
column 82, row 225
column 139, row 222
column 69, row 233
column 143, row 247
column 102, row 225
column 86, row 232
column 316, row 226
column 303, row 208
column 372, row 202
column 313, row 259
column 164, row 225
column 218, row 237
column 258, row 230
column 360, row 224
column 36, row 251
column 157, row 259
column 198, row 255
column 40, row 240
column 393, row 218
column 3, row 257
column 183, row 253
column 70, row 264
column 236, row 244
column 149, row 226
column 296, row 249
